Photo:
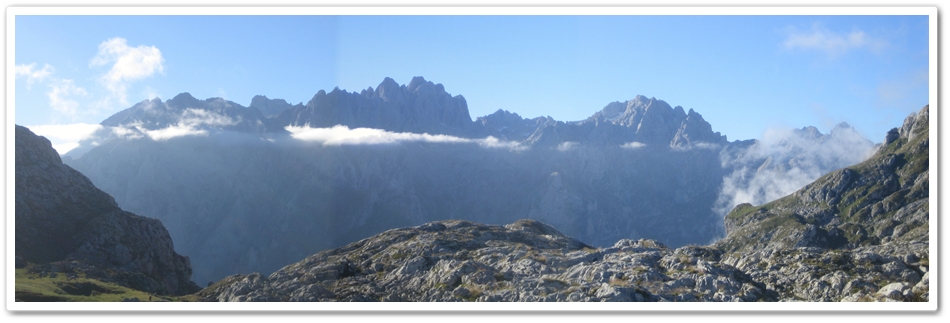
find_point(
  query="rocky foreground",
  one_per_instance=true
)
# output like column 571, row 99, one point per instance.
column 858, row 234
column 529, row 261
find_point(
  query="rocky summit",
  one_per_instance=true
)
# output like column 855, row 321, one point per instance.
column 65, row 224
column 857, row 234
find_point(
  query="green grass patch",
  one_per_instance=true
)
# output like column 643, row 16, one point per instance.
column 30, row 287
column 741, row 211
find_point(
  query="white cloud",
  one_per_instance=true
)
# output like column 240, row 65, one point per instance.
column 492, row 142
column 65, row 137
column 31, row 74
column 567, row 145
column 633, row 145
column 198, row 117
column 129, row 64
column 832, row 43
column 128, row 133
column 59, row 93
column 177, row 130
column 343, row 135
column 189, row 124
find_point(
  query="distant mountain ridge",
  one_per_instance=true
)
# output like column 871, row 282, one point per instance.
column 425, row 107
column 636, row 169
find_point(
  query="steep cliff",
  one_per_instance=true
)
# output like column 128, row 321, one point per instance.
column 61, row 218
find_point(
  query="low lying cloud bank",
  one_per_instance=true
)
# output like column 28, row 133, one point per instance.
column 633, row 145
column 192, row 122
column 785, row 160
column 177, row 130
column 567, row 146
column 65, row 137
column 342, row 135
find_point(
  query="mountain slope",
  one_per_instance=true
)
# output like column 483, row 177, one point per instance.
column 61, row 218
column 882, row 199
column 859, row 233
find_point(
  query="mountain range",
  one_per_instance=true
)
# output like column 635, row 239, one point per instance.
column 251, row 189
column 856, row 234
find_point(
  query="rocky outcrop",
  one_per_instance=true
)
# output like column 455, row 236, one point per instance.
column 528, row 261
column 525, row 261
column 64, row 222
column 896, row 271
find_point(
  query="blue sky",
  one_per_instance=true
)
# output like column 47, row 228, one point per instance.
column 744, row 74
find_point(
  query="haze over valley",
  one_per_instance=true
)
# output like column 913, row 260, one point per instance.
column 243, row 192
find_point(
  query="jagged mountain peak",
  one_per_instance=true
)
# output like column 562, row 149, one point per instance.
column 184, row 98
column 421, row 107
column 656, row 123
column 269, row 107
column 419, row 83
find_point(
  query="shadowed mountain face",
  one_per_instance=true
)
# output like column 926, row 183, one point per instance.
column 62, row 218
column 242, row 192
column 857, row 234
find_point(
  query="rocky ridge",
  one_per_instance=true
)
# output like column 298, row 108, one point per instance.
column 524, row 261
column 419, row 107
column 64, row 223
